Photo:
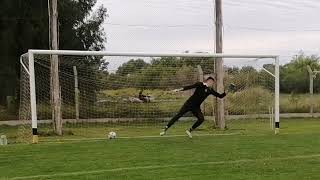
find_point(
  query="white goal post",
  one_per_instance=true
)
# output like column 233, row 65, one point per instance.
column 33, row 52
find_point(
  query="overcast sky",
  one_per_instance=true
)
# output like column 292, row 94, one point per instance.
column 281, row 27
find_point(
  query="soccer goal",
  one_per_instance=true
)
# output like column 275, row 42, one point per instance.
column 130, row 93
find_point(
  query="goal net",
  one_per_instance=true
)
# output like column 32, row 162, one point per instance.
column 131, row 93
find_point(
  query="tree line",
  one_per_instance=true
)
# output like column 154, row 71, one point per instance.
column 174, row 71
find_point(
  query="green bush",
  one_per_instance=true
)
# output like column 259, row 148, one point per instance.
column 298, row 103
column 249, row 101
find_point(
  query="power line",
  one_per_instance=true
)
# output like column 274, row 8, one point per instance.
column 162, row 25
column 228, row 27
column 270, row 29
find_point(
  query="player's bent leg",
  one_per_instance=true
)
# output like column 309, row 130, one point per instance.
column 200, row 119
column 171, row 122
column 182, row 111
column 196, row 124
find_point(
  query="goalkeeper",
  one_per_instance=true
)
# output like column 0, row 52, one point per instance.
column 202, row 91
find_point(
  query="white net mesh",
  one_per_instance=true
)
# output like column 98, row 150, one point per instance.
column 132, row 95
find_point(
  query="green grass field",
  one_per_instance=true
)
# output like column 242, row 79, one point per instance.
column 247, row 150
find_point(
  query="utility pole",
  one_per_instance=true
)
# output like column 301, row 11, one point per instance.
column 220, row 118
column 54, row 71
column 312, row 75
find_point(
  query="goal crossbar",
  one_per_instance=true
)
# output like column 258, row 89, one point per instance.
column 142, row 54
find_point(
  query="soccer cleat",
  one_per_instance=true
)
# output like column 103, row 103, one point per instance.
column 163, row 133
column 189, row 133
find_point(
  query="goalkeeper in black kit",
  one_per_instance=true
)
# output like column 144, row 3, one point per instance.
column 202, row 91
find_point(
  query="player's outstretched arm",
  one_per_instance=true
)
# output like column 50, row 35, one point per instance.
column 195, row 85
column 216, row 94
column 187, row 87
column 177, row 90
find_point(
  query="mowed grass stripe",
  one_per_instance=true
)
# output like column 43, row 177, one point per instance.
column 77, row 173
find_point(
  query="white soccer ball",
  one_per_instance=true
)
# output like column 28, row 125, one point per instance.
column 112, row 135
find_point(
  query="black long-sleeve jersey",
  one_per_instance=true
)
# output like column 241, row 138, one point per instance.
column 200, row 94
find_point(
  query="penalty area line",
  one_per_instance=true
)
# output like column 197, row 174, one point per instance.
column 137, row 137
column 77, row 173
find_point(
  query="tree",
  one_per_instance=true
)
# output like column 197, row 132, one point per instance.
column 245, row 77
column 24, row 25
column 294, row 75
column 21, row 27
column 131, row 67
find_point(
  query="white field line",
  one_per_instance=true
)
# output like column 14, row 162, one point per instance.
column 137, row 137
column 77, row 173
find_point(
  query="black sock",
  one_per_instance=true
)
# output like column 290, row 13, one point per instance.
column 190, row 129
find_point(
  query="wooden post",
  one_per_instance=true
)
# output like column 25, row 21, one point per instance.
column 311, row 88
column 220, row 118
column 311, row 95
column 55, row 84
column 76, row 92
